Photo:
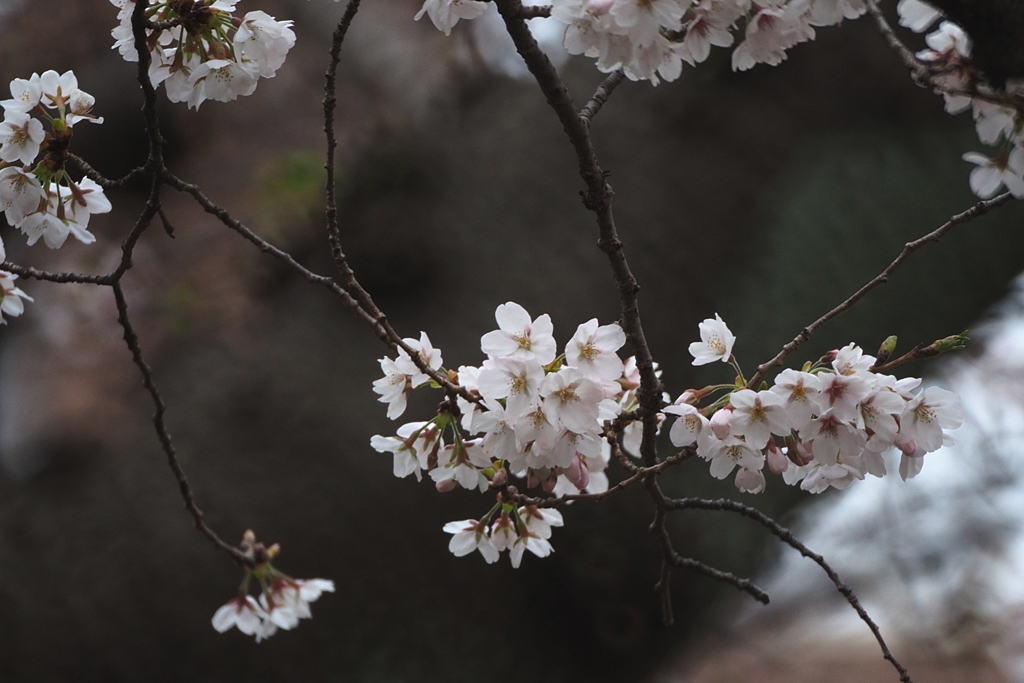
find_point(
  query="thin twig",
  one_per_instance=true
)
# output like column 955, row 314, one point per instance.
column 366, row 305
column 102, row 181
column 745, row 585
column 979, row 209
column 601, row 95
column 786, row 536
column 132, row 340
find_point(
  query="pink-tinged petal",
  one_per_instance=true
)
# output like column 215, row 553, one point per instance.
column 512, row 318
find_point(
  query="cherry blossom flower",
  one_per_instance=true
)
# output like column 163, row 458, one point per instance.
column 519, row 337
column 470, row 535
column 25, row 95
column 592, row 350
column 800, row 391
column 20, row 137
column 264, row 41
column 991, row 174
column 730, row 452
column 411, row 448
column 926, row 416
column 242, row 612
column 715, row 342
column 516, row 380
column 20, row 194
column 446, row 13
column 221, row 80
column 11, row 298
column 393, row 387
column 80, row 104
column 758, row 415
column 687, row 428
column 571, row 400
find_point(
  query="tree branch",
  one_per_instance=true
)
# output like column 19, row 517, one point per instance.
column 979, row 209
column 786, row 536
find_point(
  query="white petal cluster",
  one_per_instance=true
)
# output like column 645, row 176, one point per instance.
column 650, row 39
column 538, row 416
column 283, row 602
column 37, row 195
column 826, row 426
column 949, row 48
column 516, row 530
column 211, row 55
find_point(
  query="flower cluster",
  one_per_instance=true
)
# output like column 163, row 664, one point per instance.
column 205, row 52
column 37, row 195
column 534, row 414
column 650, row 39
column 949, row 49
column 825, row 425
column 281, row 604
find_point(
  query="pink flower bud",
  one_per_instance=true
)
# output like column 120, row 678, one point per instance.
column 446, row 485
column 799, row 453
column 720, row 422
column 549, row 484
column 500, row 478
column 777, row 462
column 598, row 8
column 750, row 481
column 578, row 473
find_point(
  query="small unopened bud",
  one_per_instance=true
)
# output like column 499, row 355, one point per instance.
column 578, row 473
column 798, row 452
column 532, row 481
column 500, row 478
column 446, row 485
column 598, row 8
column 830, row 356
column 885, row 350
column 549, row 484
column 750, row 481
column 777, row 462
column 955, row 342
column 720, row 422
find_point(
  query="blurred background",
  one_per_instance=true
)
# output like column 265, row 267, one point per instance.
column 766, row 196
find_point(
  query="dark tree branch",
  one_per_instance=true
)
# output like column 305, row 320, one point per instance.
column 601, row 95
column 786, row 536
column 132, row 340
column 979, row 209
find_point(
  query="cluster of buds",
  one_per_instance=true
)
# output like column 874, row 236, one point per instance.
column 650, row 39
column 550, row 419
column 282, row 602
column 200, row 51
column 825, row 425
column 37, row 195
column 949, row 51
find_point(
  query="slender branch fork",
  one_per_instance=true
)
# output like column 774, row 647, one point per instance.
column 597, row 198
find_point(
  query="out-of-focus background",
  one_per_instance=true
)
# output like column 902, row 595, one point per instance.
column 766, row 196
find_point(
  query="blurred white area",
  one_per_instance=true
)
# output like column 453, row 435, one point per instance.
column 498, row 53
column 938, row 561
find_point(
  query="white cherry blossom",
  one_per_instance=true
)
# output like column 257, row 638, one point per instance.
column 446, row 13
column 242, row 612
column 470, row 535
column 927, row 415
column 593, row 350
column 20, row 137
column 519, row 336
column 715, row 342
